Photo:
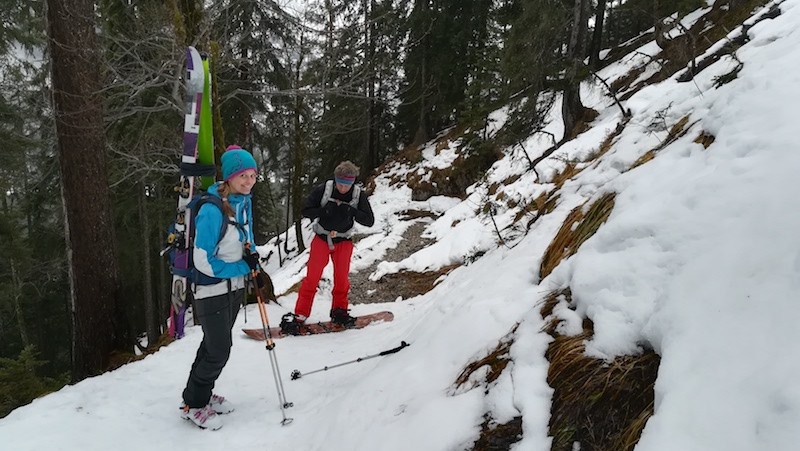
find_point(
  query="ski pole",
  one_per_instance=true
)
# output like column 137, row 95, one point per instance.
column 270, row 345
column 296, row 374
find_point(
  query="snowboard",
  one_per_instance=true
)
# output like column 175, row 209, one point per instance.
column 322, row 328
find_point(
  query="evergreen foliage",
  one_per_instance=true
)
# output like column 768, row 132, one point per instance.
column 630, row 18
column 532, row 61
column 446, row 71
column 33, row 276
column 253, row 39
column 21, row 380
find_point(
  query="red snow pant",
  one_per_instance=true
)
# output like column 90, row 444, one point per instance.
column 317, row 261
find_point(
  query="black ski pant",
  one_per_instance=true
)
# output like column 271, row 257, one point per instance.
column 217, row 315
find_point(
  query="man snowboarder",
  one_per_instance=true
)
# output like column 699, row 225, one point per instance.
column 334, row 206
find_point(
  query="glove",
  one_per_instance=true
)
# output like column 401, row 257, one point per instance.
column 261, row 279
column 264, row 284
column 252, row 260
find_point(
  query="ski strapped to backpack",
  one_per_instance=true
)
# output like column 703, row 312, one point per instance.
column 326, row 197
column 197, row 171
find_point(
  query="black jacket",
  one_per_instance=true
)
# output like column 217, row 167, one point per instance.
column 338, row 217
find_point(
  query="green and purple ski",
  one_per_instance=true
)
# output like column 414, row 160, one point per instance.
column 197, row 171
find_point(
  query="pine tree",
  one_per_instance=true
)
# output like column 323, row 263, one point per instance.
column 532, row 58
column 382, row 30
column 33, row 283
column 252, row 37
column 448, row 52
column 342, row 74
column 417, row 89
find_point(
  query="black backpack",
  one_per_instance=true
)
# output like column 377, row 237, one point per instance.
column 193, row 276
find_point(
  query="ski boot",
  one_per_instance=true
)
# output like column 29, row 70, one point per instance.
column 341, row 317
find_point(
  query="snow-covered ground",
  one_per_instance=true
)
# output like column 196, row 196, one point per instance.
column 699, row 260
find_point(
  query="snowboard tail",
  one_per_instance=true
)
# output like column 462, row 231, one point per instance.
column 323, row 327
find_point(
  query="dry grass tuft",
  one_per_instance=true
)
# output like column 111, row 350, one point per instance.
column 552, row 300
column 623, row 84
column 571, row 236
column 602, row 405
column 706, row 139
column 493, row 436
column 496, row 361
column 676, row 131
column 293, row 289
column 569, row 171
column 494, row 187
column 498, row 437
column 475, row 157
column 644, row 158
column 542, row 205
column 451, row 135
column 607, row 143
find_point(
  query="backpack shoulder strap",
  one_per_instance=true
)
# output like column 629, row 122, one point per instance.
column 206, row 198
column 326, row 195
column 356, row 196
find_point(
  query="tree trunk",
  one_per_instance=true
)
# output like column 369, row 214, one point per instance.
column 192, row 17
column 597, row 34
column 98, row 323
column 219, row 132
column 370, row 157
column 421, row 136
column 571, row 106
column 151, row 326
column 297, row 178
column 16, row 296
column 289, row 213
column 298, row 164
column 163, row 295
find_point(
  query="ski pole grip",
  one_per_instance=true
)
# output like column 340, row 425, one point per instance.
column 403, row 344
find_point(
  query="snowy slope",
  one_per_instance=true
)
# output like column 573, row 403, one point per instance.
column 699, row 260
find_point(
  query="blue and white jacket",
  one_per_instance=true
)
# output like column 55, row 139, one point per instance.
column 221, row 257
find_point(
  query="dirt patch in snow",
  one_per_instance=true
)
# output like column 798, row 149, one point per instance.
column 405, row 284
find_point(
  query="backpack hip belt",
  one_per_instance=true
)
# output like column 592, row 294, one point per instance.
column 319, row 230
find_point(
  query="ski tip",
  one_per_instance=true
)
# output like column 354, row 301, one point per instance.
column 287, row 421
